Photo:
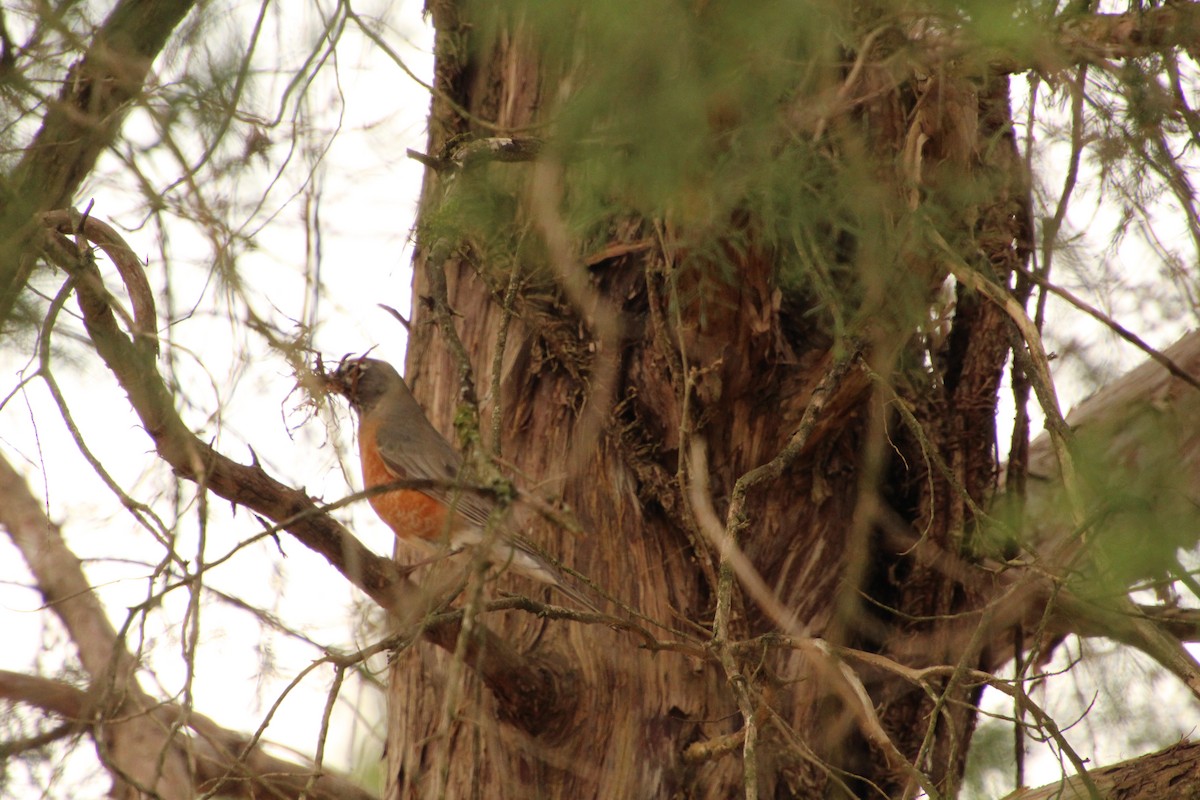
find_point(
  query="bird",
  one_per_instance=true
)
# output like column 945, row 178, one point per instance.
column 396, row 442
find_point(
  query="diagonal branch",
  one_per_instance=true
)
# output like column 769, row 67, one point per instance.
column 94, row 100
column 529, row 692
column 1074, row 38
column 128, row 735
column 220, row 766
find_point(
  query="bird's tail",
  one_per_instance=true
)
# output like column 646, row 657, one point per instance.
column 529, row 560
column 577, row 595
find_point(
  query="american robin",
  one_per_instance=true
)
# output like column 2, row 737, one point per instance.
column 396, row 441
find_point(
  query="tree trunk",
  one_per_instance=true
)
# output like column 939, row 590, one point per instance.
column 643, row 374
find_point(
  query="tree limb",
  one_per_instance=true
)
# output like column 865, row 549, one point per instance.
column 1165, row 773
column 529, row 691
column 221, row 764
column 94, row 100
column 1072, row 39
column 128, row 736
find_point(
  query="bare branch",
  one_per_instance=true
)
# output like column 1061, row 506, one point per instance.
column 530, row 692
column 87, row 115
column 126, row 728
column 222, row 765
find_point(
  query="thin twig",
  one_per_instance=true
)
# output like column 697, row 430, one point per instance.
column 736, row 519
column 510, row 298
column 1126, row 334
column 596, row 311
column 843, row 680
column 1149, row 637
column 851, row 79
column 463, row 112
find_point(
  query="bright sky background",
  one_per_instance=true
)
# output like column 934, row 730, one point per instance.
column 367, row 189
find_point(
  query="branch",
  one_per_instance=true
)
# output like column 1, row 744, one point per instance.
column 220, row 766
column 1182, row 623
column 123, row 719
column 481, row 151
column 1112, row 325
column 1094, row 37
column 1153, row 398
column 1074, row 39
column 529, row 692
column 83, row 121
column 144, row 321
column 825, row 663
column 1148, row 385
column 1171, row 772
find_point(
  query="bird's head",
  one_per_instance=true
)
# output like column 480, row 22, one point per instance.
column 362, row 381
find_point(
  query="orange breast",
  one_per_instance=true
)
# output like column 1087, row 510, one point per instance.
column 409, row 514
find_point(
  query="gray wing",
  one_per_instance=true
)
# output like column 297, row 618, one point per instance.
column 418, row 451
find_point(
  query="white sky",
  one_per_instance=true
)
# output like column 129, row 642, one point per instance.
column 368, row 190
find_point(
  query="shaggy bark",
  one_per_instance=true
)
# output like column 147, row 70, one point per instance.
column 611, row 374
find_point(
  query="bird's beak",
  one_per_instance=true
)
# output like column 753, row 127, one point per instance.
column 332, row 381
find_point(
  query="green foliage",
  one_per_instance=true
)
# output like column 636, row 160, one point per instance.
column 1015, row 28
column 1139, row 509
column 989, row 762
column 705, row 116
column 481, row 210
column 1139, row 496
column 655, row 89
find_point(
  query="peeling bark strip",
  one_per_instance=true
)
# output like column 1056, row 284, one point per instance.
column 94, row 100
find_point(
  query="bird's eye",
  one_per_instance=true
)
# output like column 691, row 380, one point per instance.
column 354, row 373
column 349, row 374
